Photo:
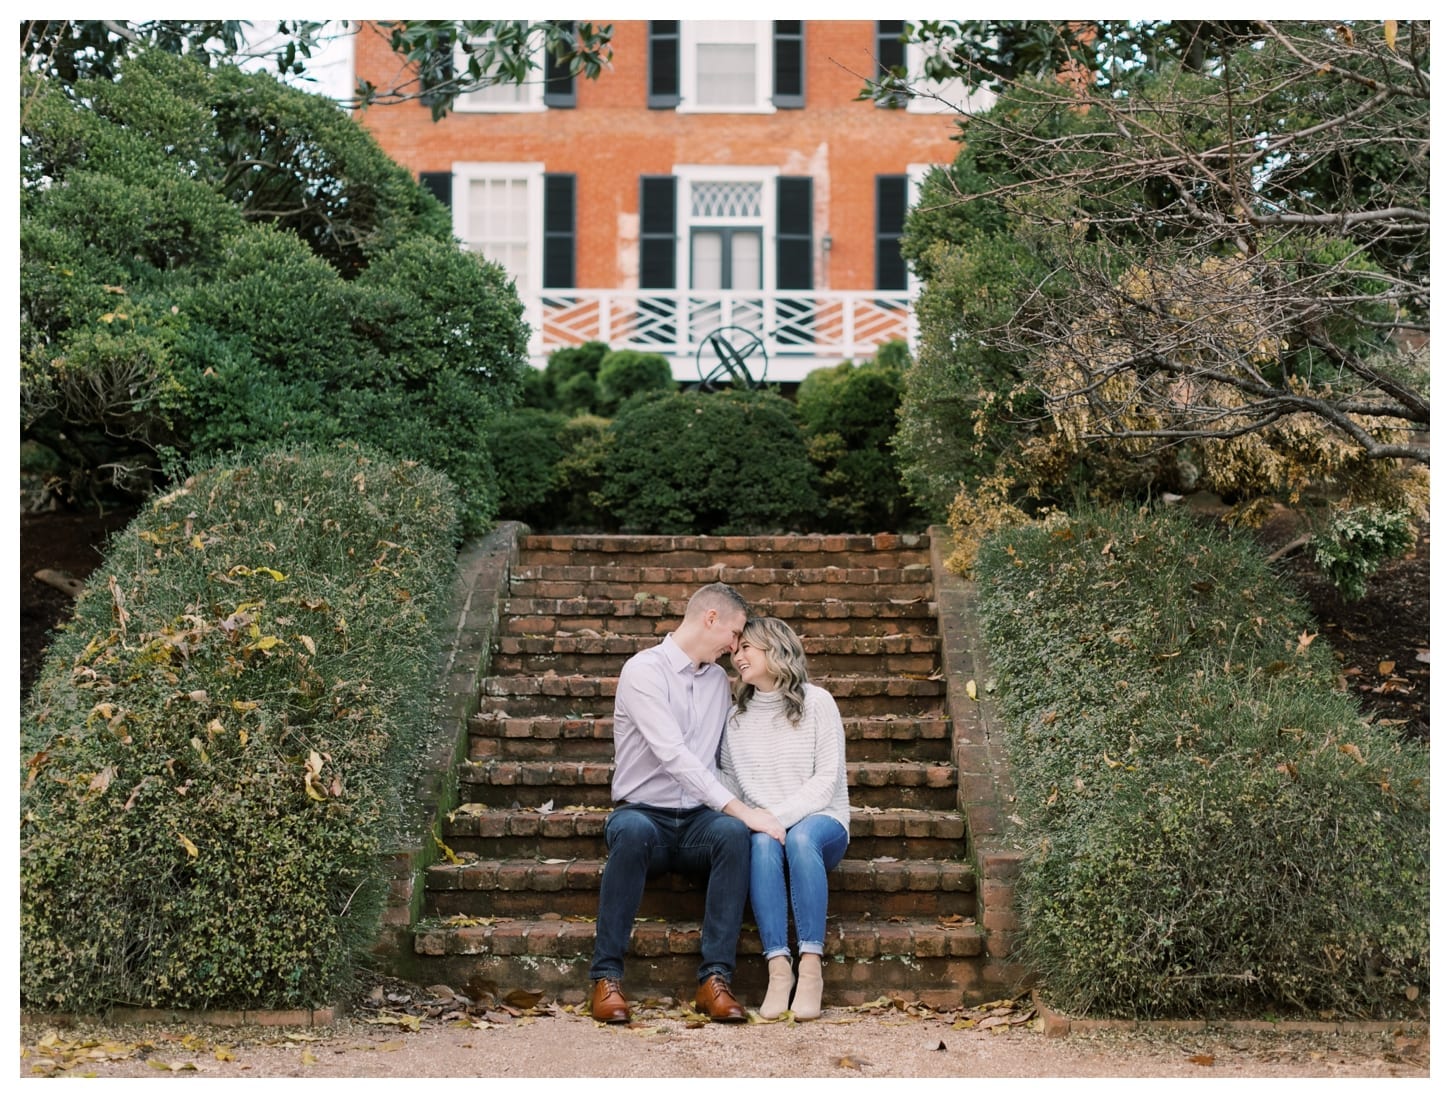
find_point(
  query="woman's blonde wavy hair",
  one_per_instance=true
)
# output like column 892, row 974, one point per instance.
column 785, row 659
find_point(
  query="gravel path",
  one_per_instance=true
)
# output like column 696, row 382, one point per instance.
column 557, row 1042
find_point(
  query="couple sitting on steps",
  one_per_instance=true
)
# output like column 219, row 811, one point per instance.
column 750, row 796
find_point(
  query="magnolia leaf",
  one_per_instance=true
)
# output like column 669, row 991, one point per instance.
column 188, row 844
column 1353, row 752
column 102, row 781
column 216, row 728
column 1392, row 29
column 972, row 689
column 308, row 643
column 852, row 1062
column 524, row 1000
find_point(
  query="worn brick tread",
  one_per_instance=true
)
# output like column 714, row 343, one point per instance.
column 603, row 686
column 858, row 939
column 563, row 821
column 564, row 874
column 673, row 609
column 565, row 774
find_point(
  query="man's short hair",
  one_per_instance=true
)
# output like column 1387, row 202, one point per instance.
column 716, row 596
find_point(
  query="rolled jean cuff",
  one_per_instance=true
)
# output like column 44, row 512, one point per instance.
column 818, row 948
column 783, row 951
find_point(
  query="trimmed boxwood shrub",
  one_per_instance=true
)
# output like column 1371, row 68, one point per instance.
column 212, row 755
column 1214, row 829
column 526, row 455
column 625, row 374
column 709, row 463
column 849, row 415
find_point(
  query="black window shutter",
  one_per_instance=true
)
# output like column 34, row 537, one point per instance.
column 559, row 230
column 794, row 269
column 664, row 64
column 890, row 54
column 657, row 232
column 439, row 185
column 790, row 72
column 890, row 221
column 558, row 81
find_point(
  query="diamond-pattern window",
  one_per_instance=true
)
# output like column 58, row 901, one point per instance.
column 725, row 199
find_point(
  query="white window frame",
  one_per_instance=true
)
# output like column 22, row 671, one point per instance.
column 959, row 98
column 530, row 284
column 685, row 222
column 764, row 41
column 533, row 89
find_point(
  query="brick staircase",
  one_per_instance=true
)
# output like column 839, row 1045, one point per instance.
column 516, row 907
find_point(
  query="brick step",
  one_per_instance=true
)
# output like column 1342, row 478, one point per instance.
column 620, row 582
column 919, row 888
column 655, row 617
column 856, row 695
column 577, row 831
column 599, row 653
column 787, row 551
column 939, row 963
column 533, row 782
column 494, row 735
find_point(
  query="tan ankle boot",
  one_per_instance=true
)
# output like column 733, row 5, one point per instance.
column 809, row 985
column 777, row 994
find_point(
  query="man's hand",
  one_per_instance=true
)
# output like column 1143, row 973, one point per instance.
column 757, row 819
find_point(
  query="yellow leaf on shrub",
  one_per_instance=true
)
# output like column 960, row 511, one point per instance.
column 1353, row 752
column 264, row 644
column 244, row 706
column 308, row 643
column 188, row 844
column 102, row 781
column 216, row 728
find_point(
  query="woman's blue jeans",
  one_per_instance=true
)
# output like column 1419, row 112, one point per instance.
column 796, row 874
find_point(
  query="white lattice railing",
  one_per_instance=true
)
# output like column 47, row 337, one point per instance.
column 822, row 324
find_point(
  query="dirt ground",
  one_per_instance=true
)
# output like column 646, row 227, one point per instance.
column 665, row 1042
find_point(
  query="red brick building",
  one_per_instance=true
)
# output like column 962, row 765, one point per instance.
column 723, row 173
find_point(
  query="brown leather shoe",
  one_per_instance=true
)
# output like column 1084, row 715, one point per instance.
column 607, row 1002
column 713, row 997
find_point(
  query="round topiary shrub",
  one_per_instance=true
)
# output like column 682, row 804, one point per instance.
column 624, row 374
column 716, row 463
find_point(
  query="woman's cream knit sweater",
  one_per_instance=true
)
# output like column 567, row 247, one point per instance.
column 790, row 770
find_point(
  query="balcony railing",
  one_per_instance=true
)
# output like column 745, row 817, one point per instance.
column 818, row 324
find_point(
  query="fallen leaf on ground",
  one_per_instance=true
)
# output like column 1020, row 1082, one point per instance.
column 1203, row 1059
column 853, row 1063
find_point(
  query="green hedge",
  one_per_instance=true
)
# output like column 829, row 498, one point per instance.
column 1214, row 827
column 708, row 463
column 212, row 756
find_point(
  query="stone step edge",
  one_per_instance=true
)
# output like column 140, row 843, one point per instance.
column 486, row 724
column 885, row 874
column 856, row 939
column 668, row 543
column 501, row 773
column 563, row 823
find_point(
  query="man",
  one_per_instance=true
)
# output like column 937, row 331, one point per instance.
column 671, row 811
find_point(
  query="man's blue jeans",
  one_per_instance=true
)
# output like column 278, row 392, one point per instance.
column 798, row 869
column 643, row 841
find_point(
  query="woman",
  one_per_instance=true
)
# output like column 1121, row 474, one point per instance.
column 784, row 751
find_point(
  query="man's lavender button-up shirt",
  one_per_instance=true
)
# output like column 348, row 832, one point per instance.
column 669, row 715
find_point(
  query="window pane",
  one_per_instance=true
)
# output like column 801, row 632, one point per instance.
column 498, row 223
column 705, row 260
column 744, row 261
column 725, row 74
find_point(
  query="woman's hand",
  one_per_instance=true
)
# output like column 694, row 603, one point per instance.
column 757, row 819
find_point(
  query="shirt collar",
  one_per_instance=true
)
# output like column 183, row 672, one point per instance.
column 678, row 659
